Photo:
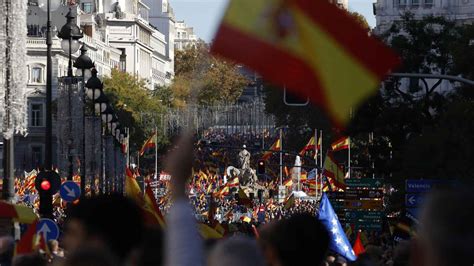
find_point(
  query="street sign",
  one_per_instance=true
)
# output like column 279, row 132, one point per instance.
column 363, row 193
column 419, row 185
column 364, row 182
column 425, row 185
column 368, row 226
column 48, row 228
column 364, row 215
column 70, row 191
column 413, row 200
column 356, row 194
column 363, row 204
column 412, row 214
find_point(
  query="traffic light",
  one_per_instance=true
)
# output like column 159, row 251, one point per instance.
column 261, row 167
column 47, row 184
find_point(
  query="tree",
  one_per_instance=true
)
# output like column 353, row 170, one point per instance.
column 361, row 20
column 204, row 78
column 137, row 107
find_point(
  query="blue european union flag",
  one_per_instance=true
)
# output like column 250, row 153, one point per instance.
column 311, row 174
column 338, row 241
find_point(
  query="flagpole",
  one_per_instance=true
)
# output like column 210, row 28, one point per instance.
column 349, row 157
column 320, row 163
column 128, row 146
column 156, row 153
column 281, row 157
column 316, row 141
column 138, row 159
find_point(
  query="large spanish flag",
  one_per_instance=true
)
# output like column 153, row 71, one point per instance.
column 334, row 172
column 149, row 144
column 341, row 144
column 311, row 47
column 274, row 148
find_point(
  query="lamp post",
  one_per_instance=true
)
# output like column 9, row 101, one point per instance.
column 49, row 6
column 100, row 107
column 94, row 91
column 107, row 118
column 84, row 63
column 70, row 34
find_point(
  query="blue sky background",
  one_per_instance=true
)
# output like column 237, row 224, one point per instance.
column 205, row 15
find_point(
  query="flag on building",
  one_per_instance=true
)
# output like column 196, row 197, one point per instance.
column 311, row 146
column 149, row 144
column 338, row 241
column 334, row 172
column 313, row 48
column 340, row 144
column 274, row 148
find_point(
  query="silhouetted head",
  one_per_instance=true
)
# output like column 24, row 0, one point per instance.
column 110, row 222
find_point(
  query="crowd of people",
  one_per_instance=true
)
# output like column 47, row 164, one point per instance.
column 111, row 229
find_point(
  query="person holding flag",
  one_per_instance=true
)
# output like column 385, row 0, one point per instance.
column 338, row 241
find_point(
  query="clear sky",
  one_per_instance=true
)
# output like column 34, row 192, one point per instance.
column 205, row 15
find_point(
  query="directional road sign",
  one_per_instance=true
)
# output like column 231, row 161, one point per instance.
column 368, row 226
column 364, row 215
column 363, row 193
column 363, row 204
column 70, row 191
column 419, row 185
column 425, row 185
column 48, row 228
column 413, row 213
column 364, row 182
column 413, row 200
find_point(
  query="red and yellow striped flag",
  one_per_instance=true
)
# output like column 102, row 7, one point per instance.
column 311, row 146
column 334, row 172
column 311, row 47
column 275, row 147
column 149, row 144
column 341, row 144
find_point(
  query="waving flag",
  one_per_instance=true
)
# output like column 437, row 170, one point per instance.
column 334, row 172
column 338, row 241
column 341, row 144
column 311, row 47
column 275, row 147
column 149, row 144
column 311, row 146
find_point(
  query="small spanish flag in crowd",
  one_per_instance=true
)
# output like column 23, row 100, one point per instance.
column 149, row 144
column 341, row 144
column 313, row 48
column 274, row 148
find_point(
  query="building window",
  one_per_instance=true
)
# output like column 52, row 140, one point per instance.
column 36, row 75
column 429, row 2
column 401, row 3
column 87, row 7
column 415, row 2
column 37, row 156
column 37, row 115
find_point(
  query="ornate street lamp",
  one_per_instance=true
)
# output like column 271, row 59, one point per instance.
column 49, row 6
column 70, row 34
column 84, row 64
